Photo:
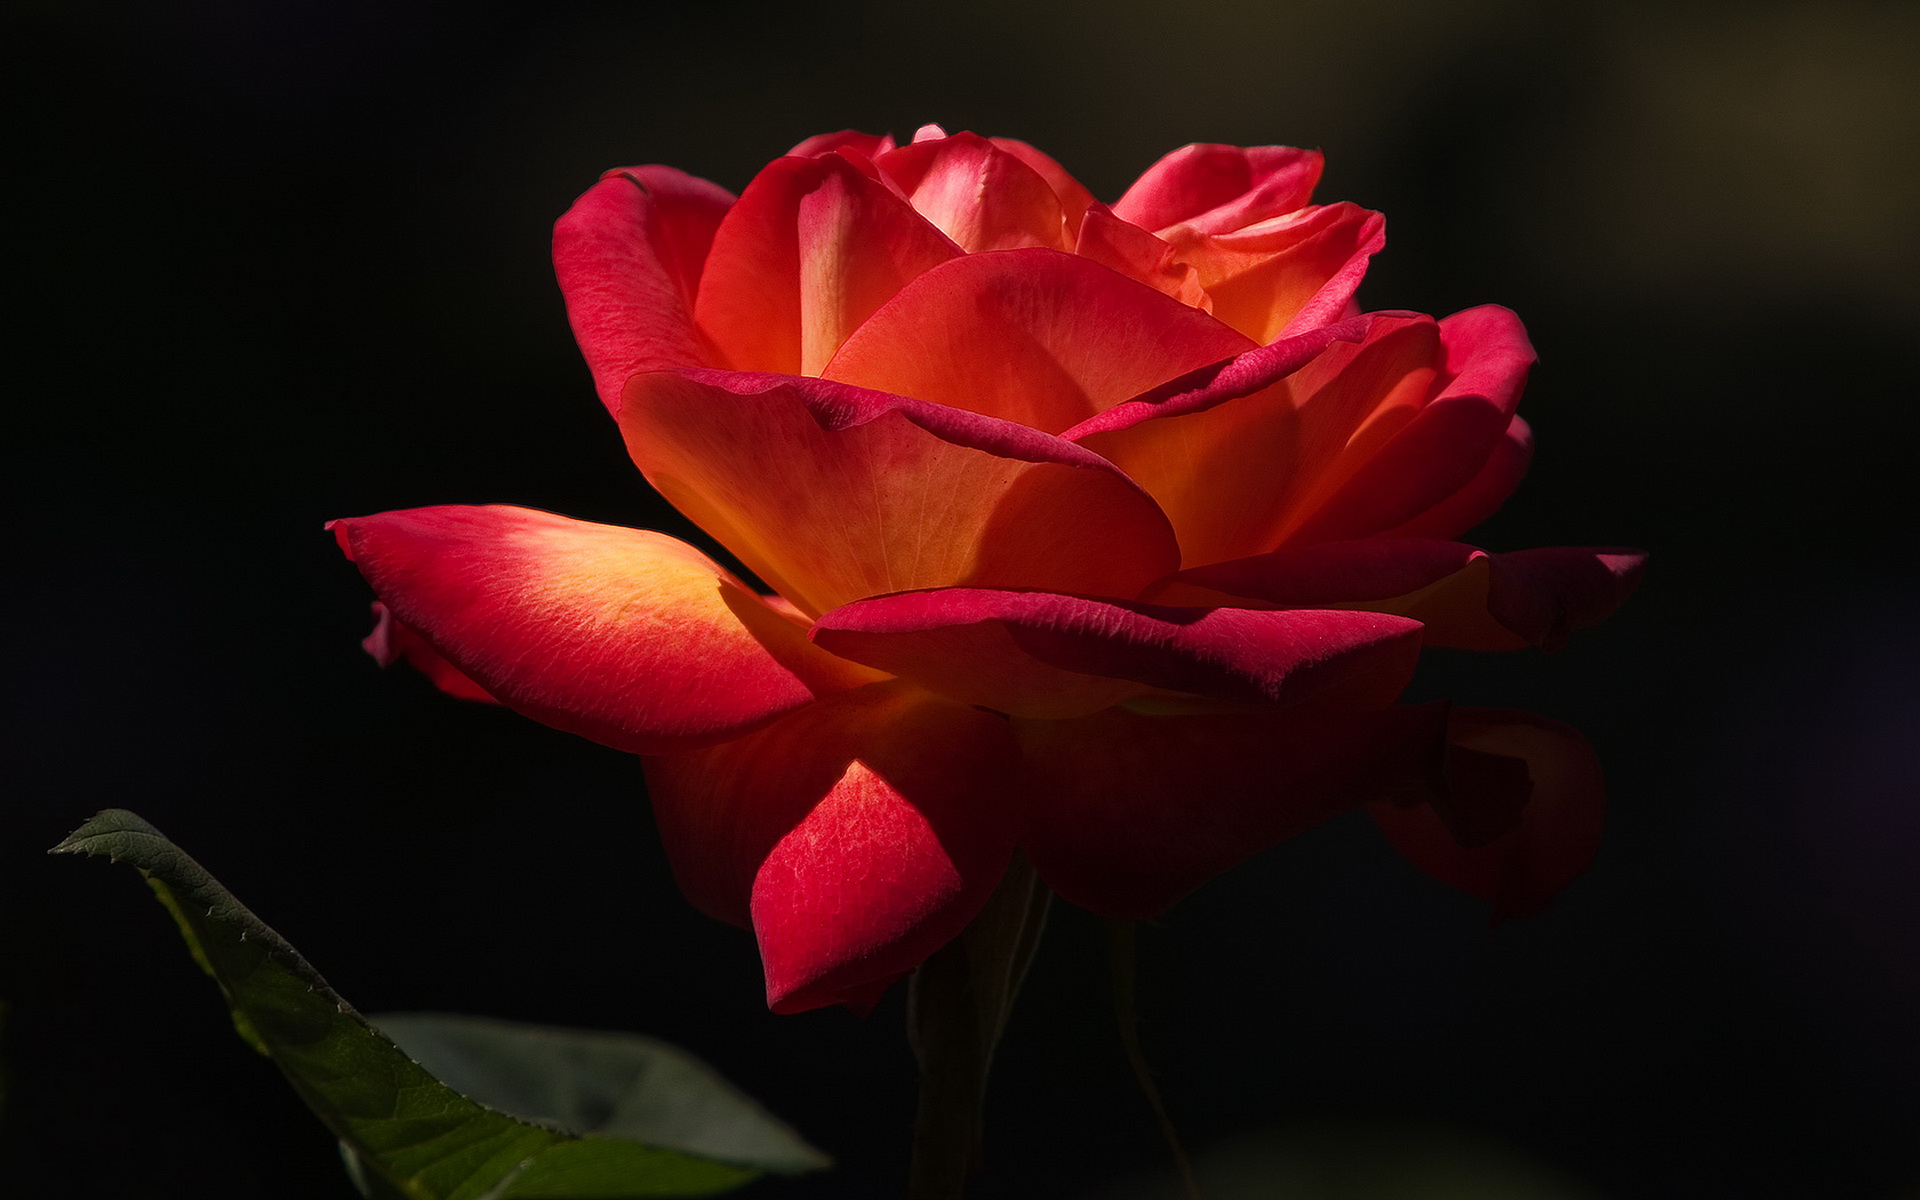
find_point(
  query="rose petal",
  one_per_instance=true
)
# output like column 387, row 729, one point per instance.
column 390, row 642
column 857, row 836
column 1465, row 597
column 630, row 638
column 867, row 145
column 831, row 493
column 1214, row 189
column 976, row 193
column 629, row 255
column 1430, row 458
column 1137, row 254
column 1288, row 273
column 1132, row 812
column 1238, row 477
column 812, row 247
column 1036, row 654
column 1074, row 198
column 1484, row 493
column 1039, row 337
column 1546, row 594
column 1558, row 828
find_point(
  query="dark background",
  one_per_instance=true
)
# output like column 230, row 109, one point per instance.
column 276, row 262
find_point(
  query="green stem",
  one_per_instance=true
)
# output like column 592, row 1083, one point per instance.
column 957, row 1005
column 1126, row 1011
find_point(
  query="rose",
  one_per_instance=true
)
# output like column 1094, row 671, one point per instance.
column 1109, row 534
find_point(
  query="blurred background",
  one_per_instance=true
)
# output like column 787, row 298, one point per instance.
column 281, row 262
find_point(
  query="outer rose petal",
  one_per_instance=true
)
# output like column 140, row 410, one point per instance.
column 831, row 493
column 1034, row 654
column 812, row 247
column 857, row 836
column 390, row 642
column 628, row 255
column 1132, row 812
column 1239, row 477
column 1446, row 447
column 1466, row 598
column 1559, row 826
column 976, row 193
column 1039, row 337
column 1214, row 189
column 630, row 638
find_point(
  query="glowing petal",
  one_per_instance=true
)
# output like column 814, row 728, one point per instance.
column 832, row 493
column 630, row 638
column 1039, row 337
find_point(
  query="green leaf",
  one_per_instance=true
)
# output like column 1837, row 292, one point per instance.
column 404, row 1132
column 610, row 1084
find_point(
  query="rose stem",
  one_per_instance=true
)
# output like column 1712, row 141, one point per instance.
column 957, row 1004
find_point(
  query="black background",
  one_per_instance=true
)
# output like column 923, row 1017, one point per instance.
column 279, row 262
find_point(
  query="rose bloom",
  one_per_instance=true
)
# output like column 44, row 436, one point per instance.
column 1107, row 534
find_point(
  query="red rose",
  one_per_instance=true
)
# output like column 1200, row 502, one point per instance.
column 1110, row 534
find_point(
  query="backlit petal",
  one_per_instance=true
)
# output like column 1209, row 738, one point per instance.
column 1137, row 254
column 627, row 637
column 1040, row 337
column 855, row 836
column 1286, row 273
column 976, row 193
column 1241, row 476
column 830, row 493
column 629, row 256
column 811, row 248
column 1216, row 189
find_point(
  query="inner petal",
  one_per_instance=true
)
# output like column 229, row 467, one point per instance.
column 1039, row 337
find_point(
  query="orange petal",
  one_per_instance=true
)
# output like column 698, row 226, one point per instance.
column 831, row 493
column 1039, row 337
column 812, row 247
column 1238, row 478
column 1285, row 273
column 1137, row 254
column 976, row 193
column 627, row 637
